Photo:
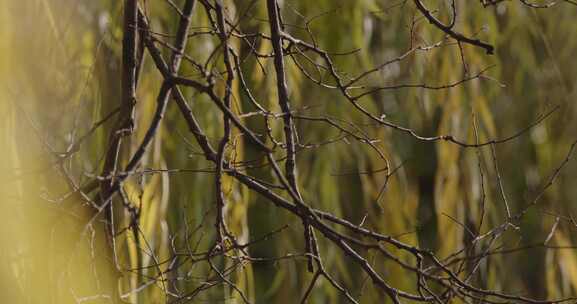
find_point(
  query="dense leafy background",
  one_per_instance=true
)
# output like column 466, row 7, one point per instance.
column 60, row 69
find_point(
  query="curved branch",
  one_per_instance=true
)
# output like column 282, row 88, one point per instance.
column 449, row 31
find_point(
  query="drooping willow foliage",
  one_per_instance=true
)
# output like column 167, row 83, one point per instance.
column 264, row 151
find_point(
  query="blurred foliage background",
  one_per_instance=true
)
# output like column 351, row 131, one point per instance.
column 60, row 74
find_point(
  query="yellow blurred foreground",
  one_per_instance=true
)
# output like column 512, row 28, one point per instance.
column 47, row 253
